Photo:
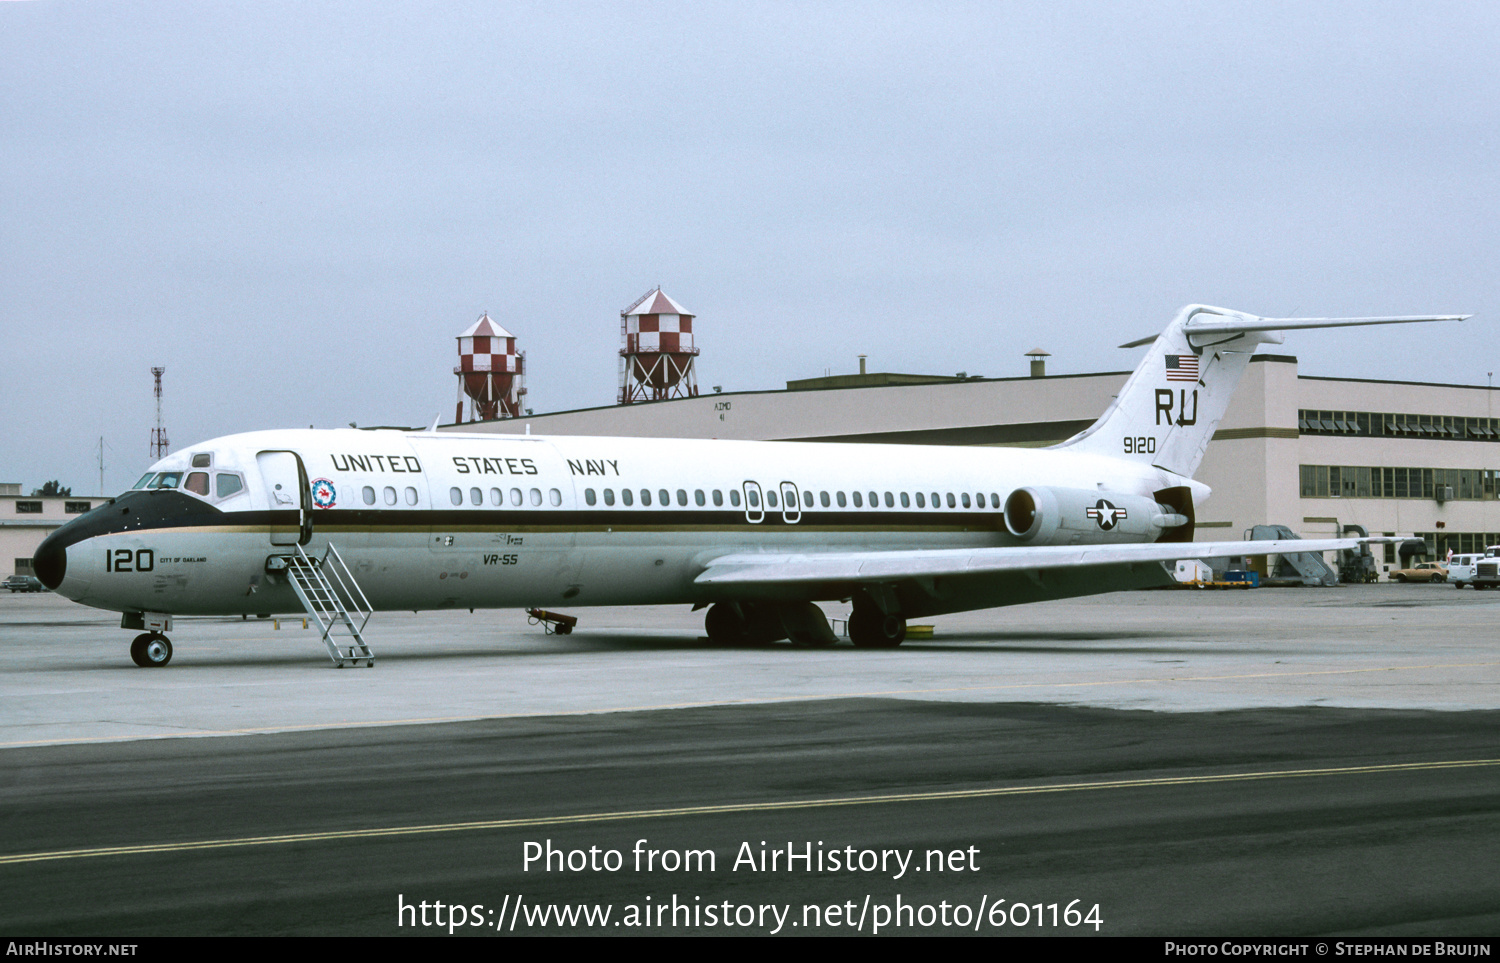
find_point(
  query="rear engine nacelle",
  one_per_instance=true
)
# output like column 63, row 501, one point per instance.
column 1081, row 516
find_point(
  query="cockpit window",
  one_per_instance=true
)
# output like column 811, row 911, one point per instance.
column 167, row 479
column 197, row 483
column 202, row 459
column 144, row 479
column 226, row 484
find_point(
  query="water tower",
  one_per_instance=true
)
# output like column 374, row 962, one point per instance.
column 656, row 350
column 490, row 372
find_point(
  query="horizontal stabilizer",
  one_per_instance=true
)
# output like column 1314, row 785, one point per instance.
column 1231, row 323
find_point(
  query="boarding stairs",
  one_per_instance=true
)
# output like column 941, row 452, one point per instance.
column 1308, row 567
column 330, row 594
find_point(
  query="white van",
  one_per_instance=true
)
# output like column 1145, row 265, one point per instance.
column 1480, row 571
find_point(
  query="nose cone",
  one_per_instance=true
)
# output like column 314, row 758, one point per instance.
column 50, row 563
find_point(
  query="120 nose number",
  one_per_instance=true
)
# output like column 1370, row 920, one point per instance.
column 124, row 560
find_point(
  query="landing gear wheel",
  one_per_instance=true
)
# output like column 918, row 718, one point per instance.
column 151, row 650
column 869, row 629
column 735, row 624
column 724, row 625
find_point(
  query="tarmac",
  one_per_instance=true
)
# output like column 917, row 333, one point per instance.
column 66, row 675
column 1276, row 762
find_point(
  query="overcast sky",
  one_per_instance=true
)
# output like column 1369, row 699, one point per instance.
column 295, row 207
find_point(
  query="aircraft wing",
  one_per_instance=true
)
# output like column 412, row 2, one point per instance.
column 753, row 568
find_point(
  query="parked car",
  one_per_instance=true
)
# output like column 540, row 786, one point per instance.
column 1422, row 572
column 24, row 583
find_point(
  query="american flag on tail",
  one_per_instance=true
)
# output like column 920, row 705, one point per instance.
column 1182, row 367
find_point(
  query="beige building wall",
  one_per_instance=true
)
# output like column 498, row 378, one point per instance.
column 1246, row 463
column 22, row 530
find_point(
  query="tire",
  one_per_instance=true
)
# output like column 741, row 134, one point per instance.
column 151, row 651
column 724, row 625
column 870, row 629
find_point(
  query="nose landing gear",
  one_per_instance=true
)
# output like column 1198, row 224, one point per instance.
column 150, row 650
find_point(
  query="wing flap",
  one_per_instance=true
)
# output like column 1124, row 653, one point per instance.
column 875, row 566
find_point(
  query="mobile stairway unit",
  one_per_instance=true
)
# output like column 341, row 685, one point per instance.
column 337, row 602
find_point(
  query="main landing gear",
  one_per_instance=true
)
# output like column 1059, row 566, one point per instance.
column 150, row 650
column 760, row 623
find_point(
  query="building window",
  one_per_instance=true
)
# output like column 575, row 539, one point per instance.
column 28, row 508
column 1385, row 424
column 1355, row 481
column 76, row 508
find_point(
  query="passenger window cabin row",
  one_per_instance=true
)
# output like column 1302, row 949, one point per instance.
column 772, row 499
column 227, row 484
column 497, row 498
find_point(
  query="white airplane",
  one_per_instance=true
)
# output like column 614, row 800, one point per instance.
column 758, row 531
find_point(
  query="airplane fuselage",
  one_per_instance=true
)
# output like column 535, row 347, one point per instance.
column 429, row 521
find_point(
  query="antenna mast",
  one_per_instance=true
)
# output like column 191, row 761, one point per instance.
column 159, row 433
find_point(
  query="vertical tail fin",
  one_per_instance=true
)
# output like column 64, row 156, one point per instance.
column 1167, row 412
